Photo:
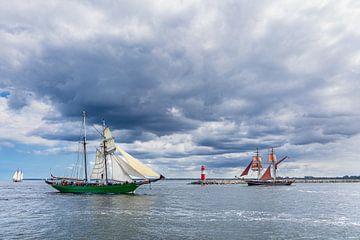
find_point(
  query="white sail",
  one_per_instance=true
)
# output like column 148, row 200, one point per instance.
column 109, row 140
column 21, row 176
column 137, row 165
column 118, row 172
column 18, row 176
column 15, row 175
column 114, row 167
column 98, row 171
column 127, row 168
column 132, row 166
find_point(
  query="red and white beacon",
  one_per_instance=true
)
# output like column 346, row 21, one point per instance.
column 203, row 174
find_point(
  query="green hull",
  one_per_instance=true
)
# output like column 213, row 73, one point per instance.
column 114, row 188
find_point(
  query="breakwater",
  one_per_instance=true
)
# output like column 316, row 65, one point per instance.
column 218, row 182
column 297, row 180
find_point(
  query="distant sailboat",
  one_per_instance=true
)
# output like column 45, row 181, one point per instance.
column 114, row 171
column 18, row 176
column 266, row 178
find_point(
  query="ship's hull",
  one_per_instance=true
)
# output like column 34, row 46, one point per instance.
column 117, row 188
column 269, row 183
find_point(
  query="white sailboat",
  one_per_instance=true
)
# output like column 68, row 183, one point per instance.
column 18, row 176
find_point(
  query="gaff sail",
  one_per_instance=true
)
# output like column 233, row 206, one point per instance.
column 267, row 174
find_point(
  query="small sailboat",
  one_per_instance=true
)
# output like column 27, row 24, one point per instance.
column 266, row 179
column 18, row 176
column 114, row 170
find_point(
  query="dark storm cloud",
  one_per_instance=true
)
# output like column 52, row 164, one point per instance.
column 121, row 86
column 18, row 99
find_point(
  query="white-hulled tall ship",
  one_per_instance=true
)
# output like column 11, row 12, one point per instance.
column 266, row 179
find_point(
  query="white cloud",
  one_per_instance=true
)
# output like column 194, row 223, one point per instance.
column 17, row 125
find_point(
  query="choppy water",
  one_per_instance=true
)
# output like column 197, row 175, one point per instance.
column 175, row 210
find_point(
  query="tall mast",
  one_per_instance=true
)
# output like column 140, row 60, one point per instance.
column 257, row 157
column 104, row 146
column 273, row 162
column 84, row 144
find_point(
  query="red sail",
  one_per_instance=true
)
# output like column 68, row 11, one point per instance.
column 267, row 174
column 246, row 171
column 272, row 157
column 256, row 163
column 280, row 162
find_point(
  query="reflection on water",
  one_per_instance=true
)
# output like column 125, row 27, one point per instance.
column 175, row 210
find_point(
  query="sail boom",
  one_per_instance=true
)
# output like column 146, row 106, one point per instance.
column 276, row 165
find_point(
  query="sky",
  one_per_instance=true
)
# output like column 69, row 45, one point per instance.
column 181, row 84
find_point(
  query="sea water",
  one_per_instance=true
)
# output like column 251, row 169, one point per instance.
column 177, row 210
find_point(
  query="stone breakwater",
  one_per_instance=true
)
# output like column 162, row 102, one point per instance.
column 218, row 182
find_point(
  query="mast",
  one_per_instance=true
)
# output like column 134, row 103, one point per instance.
column 272, row 160
column 104, row 148
column 259, row 170
column 84, row 145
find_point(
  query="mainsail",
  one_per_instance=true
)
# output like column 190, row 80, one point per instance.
column 267, row 174
column 98, row 171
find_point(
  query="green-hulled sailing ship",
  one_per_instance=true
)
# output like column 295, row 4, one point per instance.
column 114, row 171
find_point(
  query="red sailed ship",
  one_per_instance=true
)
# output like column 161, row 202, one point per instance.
column 266, row 179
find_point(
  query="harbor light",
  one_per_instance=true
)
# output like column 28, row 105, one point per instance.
column 203, row 174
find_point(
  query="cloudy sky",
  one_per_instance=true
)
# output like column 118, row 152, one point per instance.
column 182, row 83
